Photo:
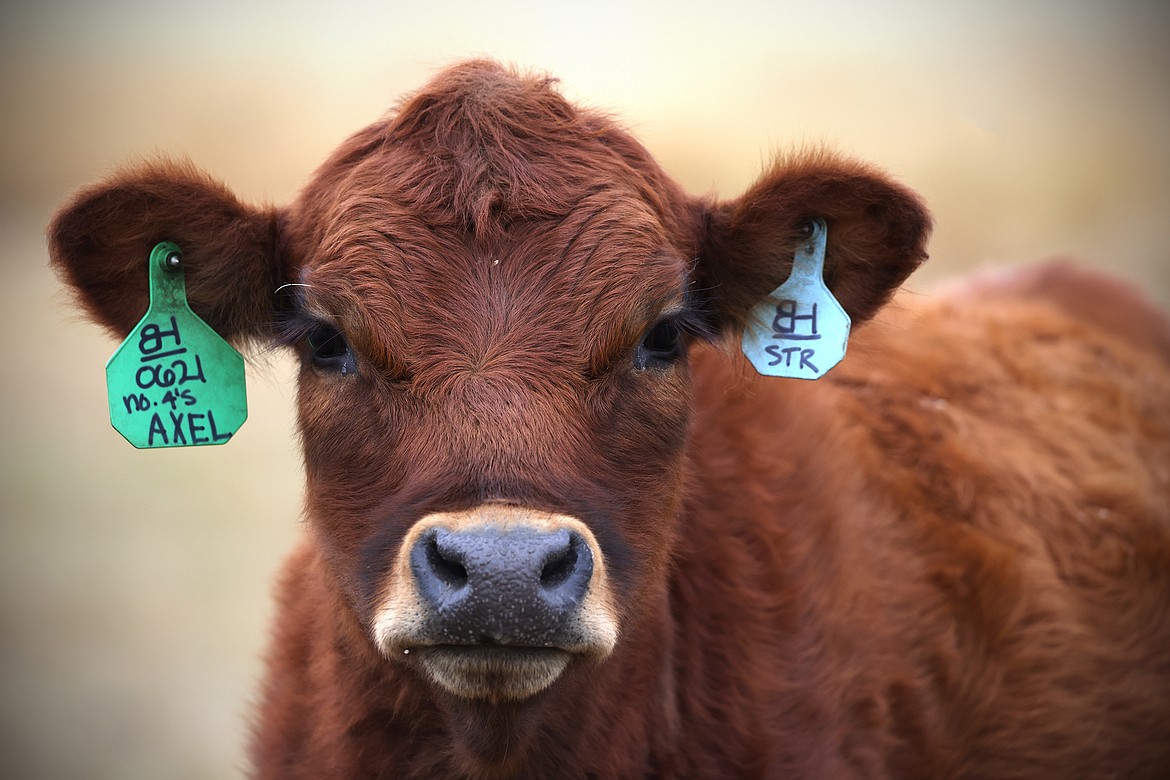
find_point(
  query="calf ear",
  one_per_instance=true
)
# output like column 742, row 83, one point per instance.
column 877, row 232
column 100, row 241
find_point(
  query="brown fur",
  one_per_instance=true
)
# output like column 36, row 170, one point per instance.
column 949, row 558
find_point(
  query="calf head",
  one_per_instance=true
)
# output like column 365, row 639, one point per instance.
column 492, row 295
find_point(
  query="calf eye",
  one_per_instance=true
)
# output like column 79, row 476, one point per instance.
column 662, row 344
column 329, row 349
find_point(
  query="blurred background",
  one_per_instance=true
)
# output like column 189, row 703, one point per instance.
column 134, row 586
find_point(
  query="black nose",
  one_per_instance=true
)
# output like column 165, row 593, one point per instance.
column 515, row 586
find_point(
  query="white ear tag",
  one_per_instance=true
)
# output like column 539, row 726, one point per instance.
column 800, row 329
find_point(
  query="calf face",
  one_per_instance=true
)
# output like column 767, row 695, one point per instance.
column 492, row 295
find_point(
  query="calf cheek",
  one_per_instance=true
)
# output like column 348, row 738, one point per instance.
column 351, row 443
column 641, row 440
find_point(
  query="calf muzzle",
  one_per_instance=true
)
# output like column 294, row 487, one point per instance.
column 496, row 602
column 516, row 586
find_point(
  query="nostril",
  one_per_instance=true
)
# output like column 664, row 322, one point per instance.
column 447, row 565
column 559, row 568
column 565, row 575
column 440, row 570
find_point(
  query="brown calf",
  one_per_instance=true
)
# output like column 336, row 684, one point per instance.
column 556, row 531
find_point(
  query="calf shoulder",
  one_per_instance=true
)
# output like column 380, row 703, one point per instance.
column 951, row 556
column 1021, row 432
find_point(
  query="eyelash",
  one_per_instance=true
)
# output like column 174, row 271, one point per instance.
column 664, row 342
column 325, row 345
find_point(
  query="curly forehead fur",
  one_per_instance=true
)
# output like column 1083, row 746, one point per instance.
column 515, row 207
column 480, row 149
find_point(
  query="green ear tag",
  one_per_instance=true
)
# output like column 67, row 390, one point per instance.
column 174, row 382
column 800, row 330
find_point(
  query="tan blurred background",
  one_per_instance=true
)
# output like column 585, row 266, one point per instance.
column 134, row 586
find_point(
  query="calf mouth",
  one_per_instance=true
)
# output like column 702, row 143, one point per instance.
column 492, row 672
column 494, row 603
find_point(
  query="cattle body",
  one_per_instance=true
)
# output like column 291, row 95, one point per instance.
column 559, row 528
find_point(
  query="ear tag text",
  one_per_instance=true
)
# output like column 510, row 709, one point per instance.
column 800, row 330
column 174, row 382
